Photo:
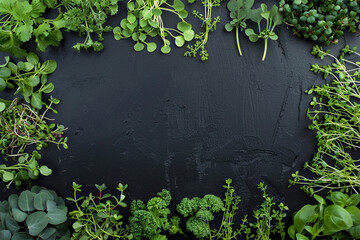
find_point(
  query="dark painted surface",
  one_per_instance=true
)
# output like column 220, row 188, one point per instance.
column 158, row 121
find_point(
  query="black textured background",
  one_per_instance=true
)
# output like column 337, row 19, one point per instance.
column 158, row 121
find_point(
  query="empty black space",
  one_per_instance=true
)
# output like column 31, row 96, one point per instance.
column 156, row 121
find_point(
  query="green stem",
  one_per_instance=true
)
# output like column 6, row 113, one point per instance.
column 237, row 41
column 265, row 49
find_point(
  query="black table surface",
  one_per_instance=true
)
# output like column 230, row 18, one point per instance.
column 157, row 121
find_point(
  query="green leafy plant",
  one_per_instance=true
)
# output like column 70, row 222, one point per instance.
column 268, row 221
column 96, row 217
column 207, row 22
column 145, row 19
column 87, row 18
column 340, row 219
column 200, row 212
column 334, row 115
column 150, row 220
column 35, row 214
column 20, row 126
column 319, row 20
column 21, row 21
column 240, row 11
column 30, row 77
column 25, row 169
column 273, row 18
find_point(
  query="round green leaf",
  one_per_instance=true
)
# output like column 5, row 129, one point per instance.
column 183, row 26
column 47, row 233
column 5, row 72
column 44, row 170
column 2, row 106
column 7, row 176
column 2, row 84
column 135, row 36
column 117, row 33
column 18, row 215
column 36, row 223
column 131, row 18
column 147, row 13
column 56, row 216
column 5, row 235
column 139, row 47
column 151, row 47
column 22, row 236
column 13, row 200
column 189, row 35
column 40, row 200
column 178, row 5
column 28, row 66
column 36, row 100
column 11, row 224
column 33, row 81
column 153, row 23
column 143, row 23
column 26, row 201
column 32, row 58
column 229, row 27
column 183, row 13
column 48, row 67
column 165, row 49
column 48, row 88
column 157, row 12
column 179, row 41
column 142, row 37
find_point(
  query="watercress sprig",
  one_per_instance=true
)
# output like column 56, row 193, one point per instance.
column 273, row 18
column 145, row 19
column 239, row 13
column 30, row 77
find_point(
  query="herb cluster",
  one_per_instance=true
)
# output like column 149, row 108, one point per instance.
column 209, row 24
column 334, row 115
column 321, row 21
column 145, row 19
column 241, row 10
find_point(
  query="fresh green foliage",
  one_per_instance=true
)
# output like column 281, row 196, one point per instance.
column 25, row 169
column 335, row 118
column 240, row 11
column 22, row 20
column 321, row 20
column 87, row 18
column 21, row 126
column 231, row 202
column 200, row 212
column 144, row 20
column 339, row 219
column 268, row 221
column 150, row 220
column 30, row 77
column 32, row 215
column 207, row 22
column 273, row 18
column 96, row 217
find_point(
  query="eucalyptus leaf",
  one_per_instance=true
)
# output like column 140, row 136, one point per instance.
column 36, row 222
